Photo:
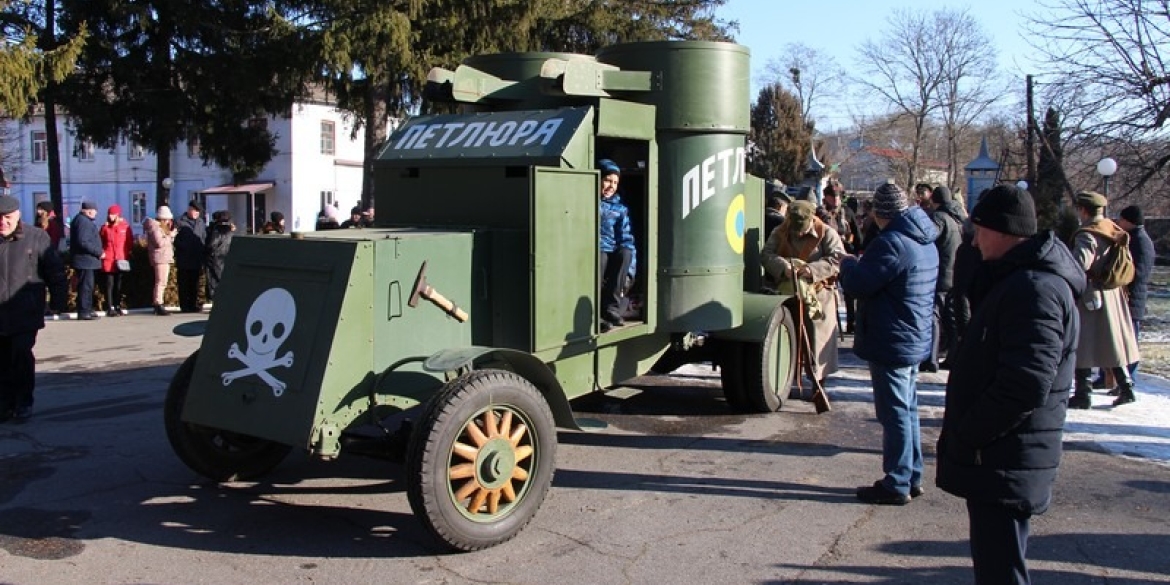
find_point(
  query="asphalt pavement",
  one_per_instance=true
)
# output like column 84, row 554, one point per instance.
column 674, row 489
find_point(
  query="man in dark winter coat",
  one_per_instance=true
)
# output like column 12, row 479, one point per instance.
column 189, row 245
column 29, row 263
column 1141, row 247
column 947, row 217
column 86, row 253
column 1008, row 391
column 894, row 285
column 219, row 241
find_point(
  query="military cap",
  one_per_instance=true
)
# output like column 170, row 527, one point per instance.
column 1092, row 200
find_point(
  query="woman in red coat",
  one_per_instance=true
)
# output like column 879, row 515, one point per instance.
column 117, row 243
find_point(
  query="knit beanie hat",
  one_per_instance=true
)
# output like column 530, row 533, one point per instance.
column 1133, row 214
column 940, row 196
column 114, row 209
column 1006, row 209
column 608, row 167
column 889, row 201
column 164, row 212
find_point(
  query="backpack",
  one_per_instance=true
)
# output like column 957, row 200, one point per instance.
column 1114, row 267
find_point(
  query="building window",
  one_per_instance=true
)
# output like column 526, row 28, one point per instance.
column 328, row 137
column 85, row 151
column 40, row 147
column 328, row 198
column 137, row 207
column 137, row 151
column 193, row 147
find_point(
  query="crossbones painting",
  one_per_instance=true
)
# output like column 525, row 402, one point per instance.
column 269, row 323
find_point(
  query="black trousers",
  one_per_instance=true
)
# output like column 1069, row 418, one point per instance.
column 999, row 543
column 614, row 268
column 19, row 367
column 187, row 280
column 84, row 290
column 113, row 282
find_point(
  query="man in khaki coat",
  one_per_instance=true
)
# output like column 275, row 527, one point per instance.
column 1107, row 339
column 806, row 245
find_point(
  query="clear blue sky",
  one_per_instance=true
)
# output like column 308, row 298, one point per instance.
column 839, row 27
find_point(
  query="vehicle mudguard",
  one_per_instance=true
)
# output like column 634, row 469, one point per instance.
column 757, row 314
column 524, row 364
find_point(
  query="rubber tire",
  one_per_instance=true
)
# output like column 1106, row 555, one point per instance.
column 762, row 393
column 732, row 376
column 428, row 457
column 213, row 453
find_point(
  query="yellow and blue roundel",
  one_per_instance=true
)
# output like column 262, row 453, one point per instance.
column 735, row 223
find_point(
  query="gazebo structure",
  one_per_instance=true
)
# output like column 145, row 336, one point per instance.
column 981, row 174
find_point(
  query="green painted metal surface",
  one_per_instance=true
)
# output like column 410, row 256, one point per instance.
column 702, row 119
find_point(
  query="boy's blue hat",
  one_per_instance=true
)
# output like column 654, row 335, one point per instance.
column 608, row 167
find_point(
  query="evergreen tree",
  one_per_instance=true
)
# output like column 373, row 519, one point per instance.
column 1050, row 180
column 375, row 55
column 159, row 72
column 779, row 136
column 30, row 58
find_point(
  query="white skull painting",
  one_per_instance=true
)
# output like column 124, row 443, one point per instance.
column 269, row 323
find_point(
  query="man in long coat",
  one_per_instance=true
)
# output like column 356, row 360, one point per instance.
column 805, row 245
column 1133, row 221
column 1107, row 338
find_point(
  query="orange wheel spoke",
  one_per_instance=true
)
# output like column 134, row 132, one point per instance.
column 508, row 492
column 519, row 473
column 506, row 423
column 493, row 501
column 465, row 451
column 477, row 501
column 462, row 471
column 465, row 491
column 518, row 434
column 476, row 434
column 523, row 453
column 490, row 427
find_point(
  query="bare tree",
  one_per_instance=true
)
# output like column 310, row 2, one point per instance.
column 967, row 89
column 904, row 68
column 811, row 75
column 1104, row 70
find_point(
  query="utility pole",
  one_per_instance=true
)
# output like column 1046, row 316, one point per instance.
column 1029, row 144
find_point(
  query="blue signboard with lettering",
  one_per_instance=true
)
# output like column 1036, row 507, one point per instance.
column 492, row 136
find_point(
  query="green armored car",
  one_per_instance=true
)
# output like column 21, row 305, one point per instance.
column 464, row 324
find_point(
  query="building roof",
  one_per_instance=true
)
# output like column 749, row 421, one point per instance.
column 895, row 154
column 244, row 188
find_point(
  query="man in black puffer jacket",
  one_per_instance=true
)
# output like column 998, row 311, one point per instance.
column 948, row 218
column 29, row 265
column 1009, row 386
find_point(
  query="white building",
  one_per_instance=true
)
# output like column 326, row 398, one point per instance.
column 317, row 163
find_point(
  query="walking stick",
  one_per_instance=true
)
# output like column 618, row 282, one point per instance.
column 804, row 346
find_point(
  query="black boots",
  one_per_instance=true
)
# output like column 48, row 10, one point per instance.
column 1124, row 393
column 1083, row 388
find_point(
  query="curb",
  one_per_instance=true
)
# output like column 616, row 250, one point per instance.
column 102, row 314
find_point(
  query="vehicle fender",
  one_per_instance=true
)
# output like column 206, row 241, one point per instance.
column 758, row 310
column 524, row 364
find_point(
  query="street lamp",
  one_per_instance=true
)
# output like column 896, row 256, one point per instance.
column 1023, row 185
column 1107, row 167
column 167, row 183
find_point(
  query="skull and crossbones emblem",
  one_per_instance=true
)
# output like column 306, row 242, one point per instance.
column 269, row 323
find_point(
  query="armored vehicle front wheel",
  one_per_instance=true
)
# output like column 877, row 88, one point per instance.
column 481, row 459
column 214, row 453
column 759, row 377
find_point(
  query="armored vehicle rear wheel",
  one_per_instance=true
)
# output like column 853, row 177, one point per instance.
column 764, row 369
column 481, row 459
column 214, row 453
